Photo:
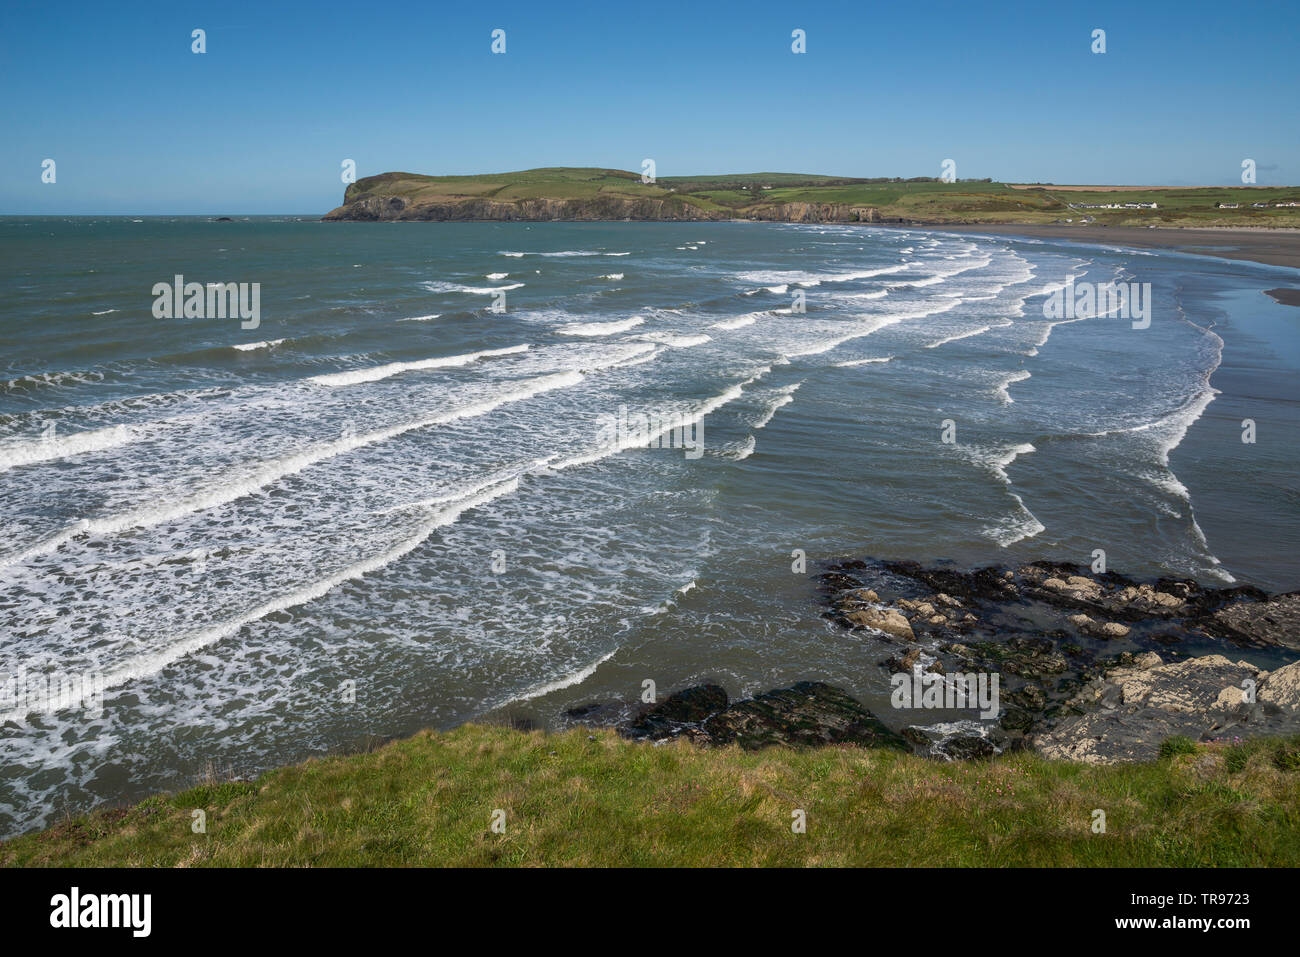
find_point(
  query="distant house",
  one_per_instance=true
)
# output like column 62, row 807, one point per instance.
column 1279, row 205
column 1228, row 205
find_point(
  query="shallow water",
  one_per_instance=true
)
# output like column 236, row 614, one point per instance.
column 387, row 483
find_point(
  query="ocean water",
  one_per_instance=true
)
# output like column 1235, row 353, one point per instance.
column 390, row 507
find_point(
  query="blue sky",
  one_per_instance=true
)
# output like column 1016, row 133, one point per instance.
column 260, row 123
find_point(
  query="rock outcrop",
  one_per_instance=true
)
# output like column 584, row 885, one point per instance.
column 398, row 208
column 1090, row 666
column 808, row 713
column 1263, row 621
column 1129, row 712
column 599, row 208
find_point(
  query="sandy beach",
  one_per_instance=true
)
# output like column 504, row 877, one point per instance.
column 1275, row 247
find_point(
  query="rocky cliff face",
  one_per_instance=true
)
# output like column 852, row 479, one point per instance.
column 817, row 213
column 674, row 209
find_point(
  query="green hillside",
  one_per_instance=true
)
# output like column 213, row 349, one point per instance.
column 583, row 798
column 593, row 193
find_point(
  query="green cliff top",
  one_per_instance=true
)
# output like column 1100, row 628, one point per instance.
column 760, row 195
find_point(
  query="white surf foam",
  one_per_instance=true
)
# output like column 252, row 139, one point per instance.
column 600, row 328
column 870, row 325
column 152, row 662
column 15, row 453
column 375, row 373
column 739, row 322
column 1022, row 524
column 968, row 334
column 564, row 254
column 878, row 294
column 862, row 362
column 1004, row 390
column 740, row 451
column 473, row 290
column 809, row 279
column 53, row 379
column 244, row 482
column 568, row 681
column 629, row 442
column 674, row 340
column 783, row 397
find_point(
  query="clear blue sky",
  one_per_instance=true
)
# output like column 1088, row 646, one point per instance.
column 287, row 91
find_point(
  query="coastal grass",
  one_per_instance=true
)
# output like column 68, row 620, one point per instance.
column 593, row 799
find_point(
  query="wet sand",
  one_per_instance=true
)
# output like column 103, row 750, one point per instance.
column 1275, row 247
column 1287, row 297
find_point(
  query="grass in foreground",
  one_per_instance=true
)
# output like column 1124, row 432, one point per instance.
column 580, row 799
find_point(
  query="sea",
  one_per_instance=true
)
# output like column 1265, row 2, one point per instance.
column 451, row 472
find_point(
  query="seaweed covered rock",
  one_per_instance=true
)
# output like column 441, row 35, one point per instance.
column 808, row 713
column 680, row 710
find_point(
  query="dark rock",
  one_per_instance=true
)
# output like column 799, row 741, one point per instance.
column 809, row 713
column 851, row 565
column 837, row 582
column 988, row 583
column 1030, row 698
column 1029, row 657
column 1271, row 621
column 902, row 664
column 681, row 708
column 916, row 736
column 966, row 747
column 1014, row 719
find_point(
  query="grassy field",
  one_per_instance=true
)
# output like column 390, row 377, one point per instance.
column 576, row 798
column 921, row 200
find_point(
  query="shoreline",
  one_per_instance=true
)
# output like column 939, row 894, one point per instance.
column 1191, row 266
column 813, row 718
column 1264, row 245
column 1283, row 296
